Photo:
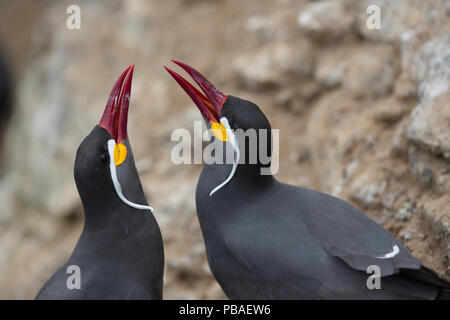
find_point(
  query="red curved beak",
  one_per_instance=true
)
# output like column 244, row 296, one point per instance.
column 115, row 116
column 210, row 103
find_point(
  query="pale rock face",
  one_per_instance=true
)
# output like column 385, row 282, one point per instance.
column 430, row 120
column 265, row 68
column 326, row 20
column 362, row 70
column 429, row 125
column 399, row 18
column 331, row 66
column 431, row 68
column 370, row 70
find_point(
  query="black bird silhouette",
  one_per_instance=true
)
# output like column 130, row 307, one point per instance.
column 120, row 253
column 5, row 93
column 269, row 240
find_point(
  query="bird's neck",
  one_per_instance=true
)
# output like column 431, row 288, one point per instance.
column 250, row 172
column 110, row 214
column 219, row 211
column 104, row 207
column 249, row 175
column 248, row 179
column 123, row 236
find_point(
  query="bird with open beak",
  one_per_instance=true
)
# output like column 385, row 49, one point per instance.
column 269, row 240
column 119, row 254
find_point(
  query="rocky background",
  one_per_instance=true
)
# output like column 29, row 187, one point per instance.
column 363, row 114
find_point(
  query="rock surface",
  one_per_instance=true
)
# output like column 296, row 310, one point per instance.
column 326, row 20
column 363, row 114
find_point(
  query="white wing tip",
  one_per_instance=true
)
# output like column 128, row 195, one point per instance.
column 393, row 253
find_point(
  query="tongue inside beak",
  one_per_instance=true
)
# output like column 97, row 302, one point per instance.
column 210, row 103
column 115, row 116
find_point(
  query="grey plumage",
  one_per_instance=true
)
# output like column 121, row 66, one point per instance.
column 120, row 251
column 268, row 240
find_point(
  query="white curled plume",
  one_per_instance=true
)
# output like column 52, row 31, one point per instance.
column 112, row 168
column 393, row 253
column 234, row 143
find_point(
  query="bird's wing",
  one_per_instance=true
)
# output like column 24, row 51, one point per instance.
column 285, row 264
column 349, row 234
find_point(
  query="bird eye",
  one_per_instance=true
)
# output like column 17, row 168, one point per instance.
column 103, row 157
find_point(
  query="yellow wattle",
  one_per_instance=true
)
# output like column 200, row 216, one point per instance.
column 120, row 154
column 219, row 131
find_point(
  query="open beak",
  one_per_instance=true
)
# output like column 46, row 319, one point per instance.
column 210, row 103
column 115, row 116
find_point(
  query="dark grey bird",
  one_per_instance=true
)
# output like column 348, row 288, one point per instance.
column 269, row 240
column 5, row 92
column 119, row 254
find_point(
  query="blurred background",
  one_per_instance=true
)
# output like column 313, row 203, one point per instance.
column 363, row 114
